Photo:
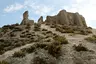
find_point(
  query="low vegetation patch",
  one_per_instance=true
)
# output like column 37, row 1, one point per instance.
column 49, row 32
column 41, row 45
column 34, row 47
column 9, row 44
column 19, row 54
column 3, row 62
column 37, row 27
column 80, row 47
column 83, row 32
column 61, row 39
column 38, row 60
column 73, row 29
column 59, row 29
column 91, row 39
column 64, row 30
column 30, row 49
column 28, row 26
column 44, row 30
column 0, row 29
column 53, row 26
column 54, row 49
column 69, row 31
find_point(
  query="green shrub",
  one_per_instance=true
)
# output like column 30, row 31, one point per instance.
column 28, row 26
column 52, row 26
column 83, row 32
column 47, row 24
column 80, row 47
column 12, row 34
column 44, row 30
column 69, row 31
column 33, row 48
column 8, row 27
column 16, row 29
column 19, row 54
column 94, row 36
column 38, row 60
column 54, row 49
column 0, row 29
column 59, row 29
column 89, row 28
column 37, row 27
column 66, row 27
column 1, row 52
column 30, row 49
column 44, row 33
column 3, row 62
column 41, row 45
column 49, row 32
column 64, row 30
column 61, row 39
column 48, row 40
column 89, row 31
column 91, row 39
column 16, row 24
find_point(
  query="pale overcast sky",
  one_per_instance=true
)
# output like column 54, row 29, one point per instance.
column 11, row 10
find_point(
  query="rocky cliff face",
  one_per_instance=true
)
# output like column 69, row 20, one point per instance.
column 63, row 18
column 67, row 18
column 26, row 20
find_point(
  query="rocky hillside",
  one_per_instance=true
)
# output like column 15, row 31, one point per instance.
column 61, row 39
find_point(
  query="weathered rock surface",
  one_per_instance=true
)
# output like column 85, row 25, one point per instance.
column 40, row 20
column 67, row 18
column 26, row 20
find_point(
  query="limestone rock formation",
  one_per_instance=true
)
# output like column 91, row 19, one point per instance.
column 26, row 20
column 40, row 20
column 67, row 18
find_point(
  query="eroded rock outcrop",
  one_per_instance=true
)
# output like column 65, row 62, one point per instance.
column 67, row 18
column 26, row 20
column 40, row 20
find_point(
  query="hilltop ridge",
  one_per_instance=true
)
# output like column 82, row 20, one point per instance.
column 61, row 39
